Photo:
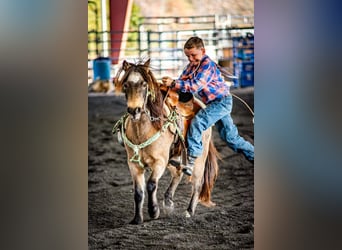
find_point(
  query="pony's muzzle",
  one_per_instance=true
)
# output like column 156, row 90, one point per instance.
column 134, row 112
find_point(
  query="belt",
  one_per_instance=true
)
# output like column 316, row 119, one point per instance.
column 219, row 99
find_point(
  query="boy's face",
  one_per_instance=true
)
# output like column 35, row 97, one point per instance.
column 194, row 55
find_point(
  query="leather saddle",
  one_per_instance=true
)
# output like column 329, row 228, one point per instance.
column 186, row 105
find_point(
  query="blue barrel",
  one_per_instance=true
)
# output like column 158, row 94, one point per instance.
column 101, row 68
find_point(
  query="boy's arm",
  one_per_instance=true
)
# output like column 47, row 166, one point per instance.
column 194, row 84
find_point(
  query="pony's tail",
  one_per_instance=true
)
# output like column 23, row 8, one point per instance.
column 209, row 176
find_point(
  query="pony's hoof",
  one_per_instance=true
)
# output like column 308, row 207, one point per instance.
column 154, row 212
column 155, row 215
column 187, row 214
column 136, row 221
column 208, row 203
column 168, row 207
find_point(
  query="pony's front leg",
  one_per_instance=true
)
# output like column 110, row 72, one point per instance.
column 152, row 186
column 139, row 187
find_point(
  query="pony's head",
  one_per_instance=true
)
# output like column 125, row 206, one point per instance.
column 140, row 88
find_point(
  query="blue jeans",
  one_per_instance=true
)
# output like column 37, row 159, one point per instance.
column 217, row 112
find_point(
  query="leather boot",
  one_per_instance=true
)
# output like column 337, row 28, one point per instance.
column 187, row 169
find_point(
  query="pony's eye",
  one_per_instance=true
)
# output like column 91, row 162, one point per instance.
column 143, row 83
column 124, row 86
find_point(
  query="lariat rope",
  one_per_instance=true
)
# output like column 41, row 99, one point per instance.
column 171, row 119
column 249, row 108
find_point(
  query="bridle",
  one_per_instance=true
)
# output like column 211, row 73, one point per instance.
column 147, row 93
column 146, row 110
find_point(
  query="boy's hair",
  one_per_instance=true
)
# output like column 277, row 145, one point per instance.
column 194, row 42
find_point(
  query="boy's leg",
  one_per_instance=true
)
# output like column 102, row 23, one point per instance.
column 229, row 132
column 204, row 119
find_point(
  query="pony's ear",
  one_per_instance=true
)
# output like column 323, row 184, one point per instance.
column 147, row 63
column 125, row 65
column 117, row 83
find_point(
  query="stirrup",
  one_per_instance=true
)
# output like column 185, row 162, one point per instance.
column 187, row 169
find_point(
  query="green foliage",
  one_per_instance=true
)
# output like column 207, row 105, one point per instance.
column 93, row 5
column 94, row 22
column 136, row 18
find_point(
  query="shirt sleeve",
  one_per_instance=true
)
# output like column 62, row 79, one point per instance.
column 189, row 82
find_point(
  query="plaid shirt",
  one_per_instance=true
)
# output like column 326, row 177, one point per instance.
column 206, row 81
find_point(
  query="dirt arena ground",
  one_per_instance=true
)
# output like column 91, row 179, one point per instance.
column 229, row 225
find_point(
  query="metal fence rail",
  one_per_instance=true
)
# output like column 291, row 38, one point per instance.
column 162, row 39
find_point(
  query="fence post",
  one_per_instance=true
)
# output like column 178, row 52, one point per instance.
column 149, row 43
column 159, row 53
column 140, row 40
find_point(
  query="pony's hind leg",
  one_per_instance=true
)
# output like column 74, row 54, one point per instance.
column 197, row 182
column 139, row 187
column 196, row 189
column 204, row 175
column 152, row 186
column 176, row 177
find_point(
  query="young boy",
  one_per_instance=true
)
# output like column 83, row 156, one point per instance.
column 203, row 77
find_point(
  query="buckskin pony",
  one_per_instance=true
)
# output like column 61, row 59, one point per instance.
column 151, row 133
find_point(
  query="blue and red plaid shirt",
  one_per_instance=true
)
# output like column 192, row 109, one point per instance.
column 206, row 81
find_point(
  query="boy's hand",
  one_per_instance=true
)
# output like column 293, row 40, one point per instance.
column 167, row 81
